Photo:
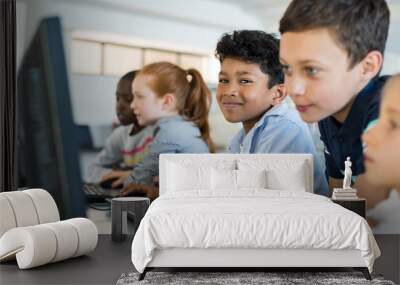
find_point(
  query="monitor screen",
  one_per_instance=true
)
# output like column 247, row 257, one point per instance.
column 47, row 144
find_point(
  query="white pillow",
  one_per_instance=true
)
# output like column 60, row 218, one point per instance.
column 293, row 180
column 236, row 179
column 188, row 177
column 251, row 179
column 223, row 179
column 281, row 174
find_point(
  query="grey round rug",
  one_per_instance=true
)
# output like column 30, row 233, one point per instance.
column 229, row 278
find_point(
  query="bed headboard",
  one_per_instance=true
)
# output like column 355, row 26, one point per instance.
column 286, row 165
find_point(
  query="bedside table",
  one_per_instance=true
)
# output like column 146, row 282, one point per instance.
column 358, row 206
column 136, row 205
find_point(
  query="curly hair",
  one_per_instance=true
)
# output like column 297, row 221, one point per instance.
column 253, row 47
column 129, row 76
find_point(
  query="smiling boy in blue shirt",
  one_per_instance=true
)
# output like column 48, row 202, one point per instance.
column 251, row 91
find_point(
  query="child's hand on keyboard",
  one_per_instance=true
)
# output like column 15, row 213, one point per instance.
column 114, row 179
column 140, row 190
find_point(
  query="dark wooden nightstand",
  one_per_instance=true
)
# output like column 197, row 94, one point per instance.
column 357, row 206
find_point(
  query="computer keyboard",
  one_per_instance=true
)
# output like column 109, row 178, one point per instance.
column 94, row 193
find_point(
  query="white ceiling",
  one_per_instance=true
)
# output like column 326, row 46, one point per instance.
column 257, row 4
column 265, row 7
column 267, row 11
column 270, row 11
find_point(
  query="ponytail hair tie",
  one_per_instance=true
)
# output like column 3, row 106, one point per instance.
column 189, row 77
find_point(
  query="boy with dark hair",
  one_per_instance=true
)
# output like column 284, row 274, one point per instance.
column 127, row 144
column 332, row 52
column 250, row 91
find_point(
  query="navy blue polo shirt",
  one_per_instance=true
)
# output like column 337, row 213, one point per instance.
column 343, row 140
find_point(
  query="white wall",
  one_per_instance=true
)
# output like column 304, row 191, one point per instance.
column 392, row 54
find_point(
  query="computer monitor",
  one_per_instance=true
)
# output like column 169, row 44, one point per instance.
column 47, row 144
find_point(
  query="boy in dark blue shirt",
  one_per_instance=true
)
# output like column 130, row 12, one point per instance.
column 332, row 52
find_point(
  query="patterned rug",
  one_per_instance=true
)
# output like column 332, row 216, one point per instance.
column 242, row 278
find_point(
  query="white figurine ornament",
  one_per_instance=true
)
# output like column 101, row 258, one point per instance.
column 346, row 193
column 347, row 174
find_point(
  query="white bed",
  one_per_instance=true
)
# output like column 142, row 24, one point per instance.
column 224, row 210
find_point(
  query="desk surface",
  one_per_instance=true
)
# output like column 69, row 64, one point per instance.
column 102, row 266
column 110, row 259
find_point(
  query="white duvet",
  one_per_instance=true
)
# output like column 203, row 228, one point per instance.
column 250, row 219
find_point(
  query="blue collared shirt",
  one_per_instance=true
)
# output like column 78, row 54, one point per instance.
column 281, row 130
column 172, row 135
column 343, row 140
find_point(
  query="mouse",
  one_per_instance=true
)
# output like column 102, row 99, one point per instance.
column 108, row 182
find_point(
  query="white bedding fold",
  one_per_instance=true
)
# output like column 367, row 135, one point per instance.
column 250, row 218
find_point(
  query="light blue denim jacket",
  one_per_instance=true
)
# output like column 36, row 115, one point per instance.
column 281, row 130
column 171, row 135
